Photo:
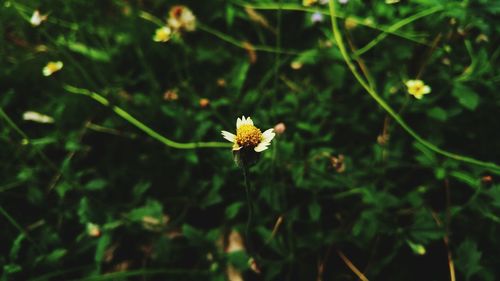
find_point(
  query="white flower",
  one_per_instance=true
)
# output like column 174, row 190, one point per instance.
column 37, row 117
column 181, row 17
column 52, row 67
column 37, row 18
column 249, row 136
column 317, row 17
column 417, row 88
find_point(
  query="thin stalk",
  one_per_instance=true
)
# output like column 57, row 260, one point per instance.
column 395, row 27
column 143, row 127
column 248, row 191
column 356, row 20
column 372, row 92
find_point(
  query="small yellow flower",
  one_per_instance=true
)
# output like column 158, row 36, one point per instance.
column 162, row 34
column 52, row 67
column 249, row 136
column 181, row 17
column 37, row 18
column 417, row 88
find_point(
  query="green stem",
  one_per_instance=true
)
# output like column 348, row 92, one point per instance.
column 143, row 127
column 340, row 43
column 299, row 8
column 248, row 191
column 396, row 26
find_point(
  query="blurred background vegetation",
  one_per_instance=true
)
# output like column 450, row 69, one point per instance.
column 113, row 166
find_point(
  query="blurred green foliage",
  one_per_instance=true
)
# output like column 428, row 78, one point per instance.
column 94, row 195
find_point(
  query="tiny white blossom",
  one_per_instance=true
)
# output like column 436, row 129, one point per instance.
column 249, row 136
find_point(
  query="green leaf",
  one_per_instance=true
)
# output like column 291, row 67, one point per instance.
column 102, row 245
column 233, row 210
column 152, row 208
column 239, row 75
column 239, row 259
column 82, row 49
column 16, row 245
column 466, row 178
column 494, row 193
column 437, row 113
column 468, row 258
column 192, row 233
column 465, row 95
column 12, row 268
column 315, row 211
column 140, row 188
column 96, row 184
column 56, row 255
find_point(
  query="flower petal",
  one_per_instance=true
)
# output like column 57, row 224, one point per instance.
column 238, row 123
column 236, row 147
column 411, row 83
column 268, row 135
column 228, row 136
column 261, row 147
column 426, row 89
column 249, row 121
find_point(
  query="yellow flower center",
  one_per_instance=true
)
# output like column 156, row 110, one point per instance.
column 417, row 89
column 248, row 136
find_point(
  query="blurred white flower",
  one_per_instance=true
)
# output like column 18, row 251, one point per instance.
column 181, row 17
column 37, row 18
column 343, row 1
column 249, row 136
column 37, row 117
column 317, row 17
column 279, row 128
column 52, row 67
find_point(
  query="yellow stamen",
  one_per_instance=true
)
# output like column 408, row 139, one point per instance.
column 248, row 136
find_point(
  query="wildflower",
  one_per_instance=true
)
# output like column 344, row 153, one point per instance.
column 162, row 34
column 52, row 67
column 37, row 117
column 317, row 17
column 204, row 102
column 37, row 18
column 296, row 65
column 417, row 88
column 338, row 163
column 93, row 230
column 249, row 136
column 181, row 17
column 170, row 95
column 279, row 128
column 343, row 1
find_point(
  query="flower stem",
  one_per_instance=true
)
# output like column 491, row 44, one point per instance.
column 248, row 191
column 143, row 127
